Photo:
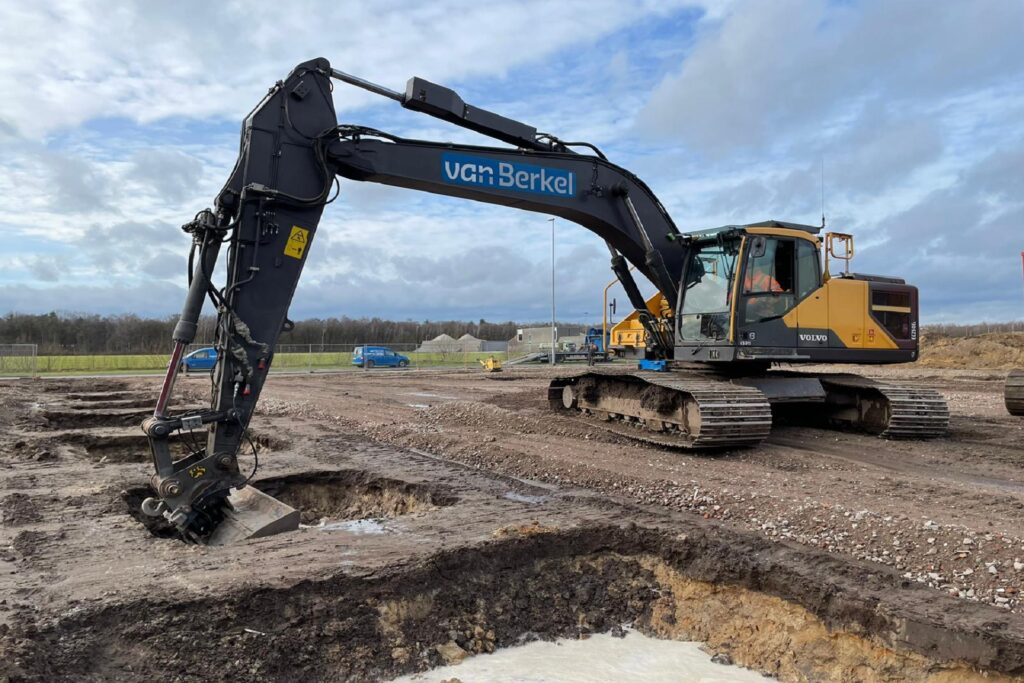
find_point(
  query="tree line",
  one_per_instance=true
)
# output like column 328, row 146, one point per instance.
column 57, row 334
column 973, row 330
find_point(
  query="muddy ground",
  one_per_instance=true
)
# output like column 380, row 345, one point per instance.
column 449, row 512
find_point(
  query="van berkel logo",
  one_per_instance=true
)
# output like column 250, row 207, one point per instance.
column 465, row 169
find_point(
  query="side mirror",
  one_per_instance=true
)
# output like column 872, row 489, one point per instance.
column 758, row 246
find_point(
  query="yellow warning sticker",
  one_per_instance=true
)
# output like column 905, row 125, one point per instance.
column 297, row 241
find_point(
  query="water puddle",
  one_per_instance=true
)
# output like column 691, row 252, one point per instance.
column 633, row 659
column 355, row 526
column 427, row 394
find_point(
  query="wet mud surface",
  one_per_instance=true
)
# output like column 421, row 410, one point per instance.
column 479, row 522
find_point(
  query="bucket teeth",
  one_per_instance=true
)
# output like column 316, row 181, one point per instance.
column 236, row 515
column 250, row 513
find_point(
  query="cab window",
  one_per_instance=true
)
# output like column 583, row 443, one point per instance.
column 771, row 272
column 808, row 269
column 769, row 282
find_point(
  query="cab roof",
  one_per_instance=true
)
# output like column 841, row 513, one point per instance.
column 709, row 233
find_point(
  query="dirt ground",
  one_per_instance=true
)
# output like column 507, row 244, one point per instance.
column 945, row 512
column 421, row 487
column 995, row 350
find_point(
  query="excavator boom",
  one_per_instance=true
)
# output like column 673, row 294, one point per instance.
column 266, row 217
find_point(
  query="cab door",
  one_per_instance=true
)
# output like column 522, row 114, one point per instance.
column 768, row 293
column 812, row 298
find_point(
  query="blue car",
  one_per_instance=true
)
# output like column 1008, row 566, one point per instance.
column 199, row 360
column 378, row 356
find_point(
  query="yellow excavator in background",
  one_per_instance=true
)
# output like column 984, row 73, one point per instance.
column 627, row 338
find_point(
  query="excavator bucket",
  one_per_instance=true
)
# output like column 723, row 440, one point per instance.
column 250, row 513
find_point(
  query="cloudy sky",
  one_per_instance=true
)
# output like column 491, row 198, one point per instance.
column 120, row 121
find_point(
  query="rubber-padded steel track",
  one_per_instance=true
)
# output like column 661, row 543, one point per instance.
column 915, row 413
column 1015, row 392
column 889, row 410
column 706, row 413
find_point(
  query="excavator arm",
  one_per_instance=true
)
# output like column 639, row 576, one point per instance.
column 266, row 216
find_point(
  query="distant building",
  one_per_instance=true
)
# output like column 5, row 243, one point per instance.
column 536, row 339
column 467, row 343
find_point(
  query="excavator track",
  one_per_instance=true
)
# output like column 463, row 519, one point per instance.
column 1014, row 395
column 678, row 413
column 888, row 410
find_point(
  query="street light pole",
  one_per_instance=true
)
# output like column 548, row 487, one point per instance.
column 554, row 335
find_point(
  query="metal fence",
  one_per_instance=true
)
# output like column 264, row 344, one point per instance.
column 19, row 359
column 322, row 357
column 22, row 359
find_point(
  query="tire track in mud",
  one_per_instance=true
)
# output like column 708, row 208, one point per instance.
column 868, row 458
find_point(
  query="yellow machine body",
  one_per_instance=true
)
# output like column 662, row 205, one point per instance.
column 812, row 316
column 628, row 336
column 491, row 364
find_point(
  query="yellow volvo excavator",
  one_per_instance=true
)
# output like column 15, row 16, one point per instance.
column 739, row 298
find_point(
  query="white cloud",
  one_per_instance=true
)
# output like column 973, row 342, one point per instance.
column 82, row 60
column 124, row 122
column 772, row 70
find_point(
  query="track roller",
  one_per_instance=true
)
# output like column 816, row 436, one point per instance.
column 888, row 410
column 682, row 413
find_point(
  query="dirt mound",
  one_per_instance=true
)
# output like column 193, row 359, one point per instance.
column 996, row 351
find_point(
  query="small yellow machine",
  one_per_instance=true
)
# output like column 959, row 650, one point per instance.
column 628, row 337
column 491, row 364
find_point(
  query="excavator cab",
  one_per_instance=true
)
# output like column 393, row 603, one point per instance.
column 762, row 293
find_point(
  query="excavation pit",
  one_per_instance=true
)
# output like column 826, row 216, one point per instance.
column 118, row 453
column 123, row 448
column 97, row 396
column 461, row 602
column 117, row 446
column 345, row 500
column 79, row 386
column 116, row 403
column 74, row 418
column 337, row 496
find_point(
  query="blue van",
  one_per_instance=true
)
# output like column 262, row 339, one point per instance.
column 199, row 360
column 378, row 356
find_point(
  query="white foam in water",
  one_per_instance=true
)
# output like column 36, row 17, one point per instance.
column 355, row 526
column 633, row 659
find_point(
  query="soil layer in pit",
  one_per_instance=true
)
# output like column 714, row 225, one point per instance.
column 350, row 495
